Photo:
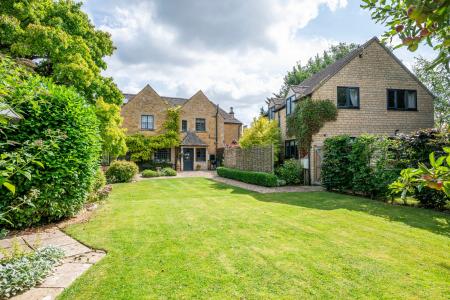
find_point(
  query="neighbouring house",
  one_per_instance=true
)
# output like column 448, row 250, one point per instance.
column 205, row 127
column 374, row 93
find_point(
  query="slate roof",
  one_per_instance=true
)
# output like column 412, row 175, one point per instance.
column 309, row 85
column 174, row 101
column 191, row 139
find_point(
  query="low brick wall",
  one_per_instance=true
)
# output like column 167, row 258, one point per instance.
column 257, row 159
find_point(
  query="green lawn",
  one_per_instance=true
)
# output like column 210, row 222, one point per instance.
column 194, row 238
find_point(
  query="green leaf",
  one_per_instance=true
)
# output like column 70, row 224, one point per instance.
column 38, row 163
column 432, row 159
column 10, row 187
column 439, row 161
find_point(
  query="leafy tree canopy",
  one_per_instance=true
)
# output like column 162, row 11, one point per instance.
column 437, row 79
column 111, row 131
column 61, row 40
column 262, row 132
column 301, row 72
column 414, row 22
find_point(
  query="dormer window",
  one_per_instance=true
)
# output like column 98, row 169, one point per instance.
column 290, row 105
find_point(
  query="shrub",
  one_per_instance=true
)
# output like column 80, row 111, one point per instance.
column 68, row 166
column 430, row 198
column 99, row 181
column 430, row 185
column 20, row 274
column 335, row 172
column 168, row 172
column 291, row 172
column 150, row 173
column 153, row 165
column 258, row 178
column 372, row 165
column 99, row 191
column 121, row 171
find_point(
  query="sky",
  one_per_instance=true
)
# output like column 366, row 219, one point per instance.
column 237, row 52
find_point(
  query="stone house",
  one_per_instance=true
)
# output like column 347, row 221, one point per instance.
column 374, row 93
column 205, row 127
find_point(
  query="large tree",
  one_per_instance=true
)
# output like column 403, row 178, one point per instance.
column 61, row 40
column 437, row 79
column 301, row 72
column 415, row 22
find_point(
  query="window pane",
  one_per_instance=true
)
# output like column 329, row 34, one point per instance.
column 184, row 125
column 288, row 106
column 341, row 97
column 401, row 104
column 146, row 122
column 353, row 94
column 162, row 155
column 411, row 97
column 200, row 125
column 391, row 99
column 200, row 154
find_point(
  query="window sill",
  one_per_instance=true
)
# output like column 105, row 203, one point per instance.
column 396, row 109
column 343, row 107
column 200, row 131
column 142, row 129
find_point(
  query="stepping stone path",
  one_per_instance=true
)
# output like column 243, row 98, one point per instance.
column 78, row 258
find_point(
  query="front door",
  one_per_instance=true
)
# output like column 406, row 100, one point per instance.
column 188, row 159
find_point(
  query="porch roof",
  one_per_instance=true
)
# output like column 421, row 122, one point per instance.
column 191, row 139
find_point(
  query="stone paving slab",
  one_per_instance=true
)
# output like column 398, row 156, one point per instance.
column 78, row 258
column 64, row 275
column 40, row 294
column 74, row 249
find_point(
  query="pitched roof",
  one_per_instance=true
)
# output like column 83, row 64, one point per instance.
column 228, row 118
column 174, row 101
column 310, row 84
column 191, row 139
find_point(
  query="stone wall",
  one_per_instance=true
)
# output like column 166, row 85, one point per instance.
column 257, row 159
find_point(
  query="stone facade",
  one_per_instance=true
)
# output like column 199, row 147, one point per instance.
column 218, row 131
column 256, row 159
column 373, row 71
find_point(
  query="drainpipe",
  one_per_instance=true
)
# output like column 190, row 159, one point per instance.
column 217, row 131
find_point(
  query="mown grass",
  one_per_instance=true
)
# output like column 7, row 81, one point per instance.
column 194, row 238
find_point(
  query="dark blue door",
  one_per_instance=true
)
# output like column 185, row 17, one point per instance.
column 188, row 159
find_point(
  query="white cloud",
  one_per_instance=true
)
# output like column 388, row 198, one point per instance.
column 240, row 68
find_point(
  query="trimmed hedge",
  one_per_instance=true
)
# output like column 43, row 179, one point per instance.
column 150, row 174
column 258, row 178
column 59, row 188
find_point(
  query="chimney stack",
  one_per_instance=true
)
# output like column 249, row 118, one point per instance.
column 231, row 111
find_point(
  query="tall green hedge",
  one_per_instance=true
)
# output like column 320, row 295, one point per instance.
column 335, row 172
column 59, row 188
column 368, row 164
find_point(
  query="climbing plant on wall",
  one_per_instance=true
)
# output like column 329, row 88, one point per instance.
column 141, row 147
column 308, row 118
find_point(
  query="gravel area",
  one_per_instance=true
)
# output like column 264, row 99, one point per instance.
column 266, row 190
